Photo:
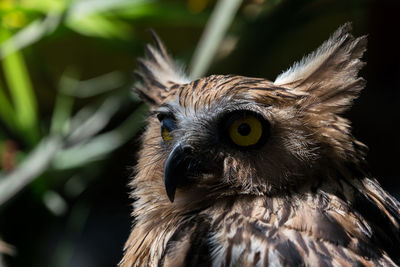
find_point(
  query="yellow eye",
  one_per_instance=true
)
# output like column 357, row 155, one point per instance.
column 246, row 129
column 167, row 126
column 166, row 135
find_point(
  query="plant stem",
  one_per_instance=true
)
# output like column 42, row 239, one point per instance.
column 216, row 28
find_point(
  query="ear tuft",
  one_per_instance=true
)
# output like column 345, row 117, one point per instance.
column 329, row 74
column 156, row 73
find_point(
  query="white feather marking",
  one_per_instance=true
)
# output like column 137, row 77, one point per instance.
column 309, row 64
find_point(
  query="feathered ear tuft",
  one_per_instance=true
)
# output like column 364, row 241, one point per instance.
column 329, row 75
column 156, row 73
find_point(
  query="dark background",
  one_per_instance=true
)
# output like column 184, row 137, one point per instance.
column 265, row 38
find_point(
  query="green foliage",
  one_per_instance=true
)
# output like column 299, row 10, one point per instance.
column 21, row 90
column 72, row 123
column 66, row 107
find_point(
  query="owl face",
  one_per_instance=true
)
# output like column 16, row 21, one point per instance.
column 247, row 130
column 227, row 134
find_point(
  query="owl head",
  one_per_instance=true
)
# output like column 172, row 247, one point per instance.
column 225, row 135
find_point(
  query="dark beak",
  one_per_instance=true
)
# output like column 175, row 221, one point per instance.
column 175, row 169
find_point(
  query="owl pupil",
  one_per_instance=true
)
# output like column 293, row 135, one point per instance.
column 244, row 129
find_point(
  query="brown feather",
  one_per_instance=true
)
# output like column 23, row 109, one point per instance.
column 303, row 197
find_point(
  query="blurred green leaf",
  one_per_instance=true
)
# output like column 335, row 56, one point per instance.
column 90, row 120
column 13, row 19
column 97, row 18
column 55, row 203
column 6, row 111
column 71, row 88
column 30, row 34
column 33, row 165
column 84, row 8
column 167, row 12
column 44, row 6
column 221, row 18
column 97, row 85
column 100, row 146
column 75, row 185
column 21, row 91
column 97, row 25
column 63, row 106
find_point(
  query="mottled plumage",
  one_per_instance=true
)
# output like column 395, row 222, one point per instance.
column 239, row 171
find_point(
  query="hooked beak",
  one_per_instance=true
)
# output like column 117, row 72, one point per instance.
column 175, row 169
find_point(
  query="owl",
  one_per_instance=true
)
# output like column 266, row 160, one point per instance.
column 240, row 171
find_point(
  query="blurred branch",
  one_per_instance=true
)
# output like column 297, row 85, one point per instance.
column 30, row 34
column 63, row 106
column 88, row 123
column 97, row 85
column 99, row 147
column 88, row 88
column 74, row 150
column 33, row 165
column 216, row 28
